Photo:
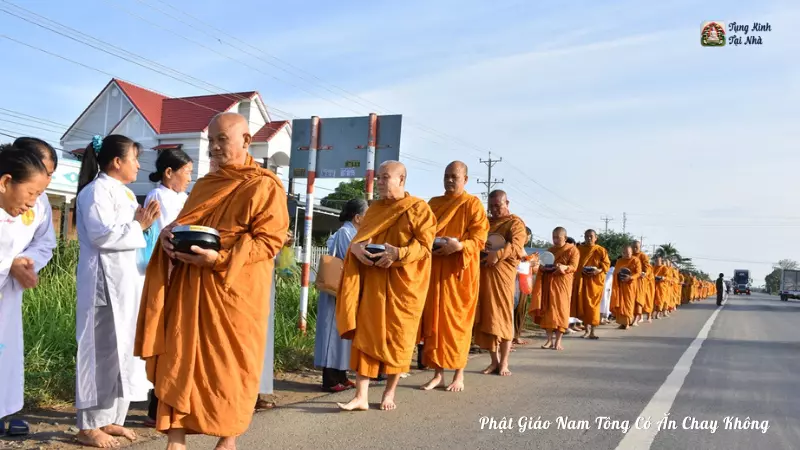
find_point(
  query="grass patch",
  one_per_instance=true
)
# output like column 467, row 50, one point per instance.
column 49, row 328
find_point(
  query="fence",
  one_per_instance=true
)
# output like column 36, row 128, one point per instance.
column 316, row 253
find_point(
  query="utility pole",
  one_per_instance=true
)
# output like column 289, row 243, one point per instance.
column 641, row 241
column 624, row 222
column 490, row 183
column 606, row 219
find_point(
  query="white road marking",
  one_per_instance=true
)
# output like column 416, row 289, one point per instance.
column 662, row 401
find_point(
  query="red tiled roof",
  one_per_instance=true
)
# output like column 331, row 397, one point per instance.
column 192, row 114
column 167, row 146
column 147, row 102
column 269, row 131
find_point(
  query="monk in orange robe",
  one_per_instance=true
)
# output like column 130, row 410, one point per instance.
column 674, row 288
column 644, row 301
column 202, row 324
column 588, row 285
column 494, row 321
column 449, row 314
column 552, row 293
column 381, row 296
column 624, row 290
column 662, row 297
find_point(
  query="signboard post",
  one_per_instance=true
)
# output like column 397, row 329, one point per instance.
column 312, row 170
column 343, row 155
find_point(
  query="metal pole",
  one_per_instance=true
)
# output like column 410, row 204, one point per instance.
column 312, row 173
column 371, row 141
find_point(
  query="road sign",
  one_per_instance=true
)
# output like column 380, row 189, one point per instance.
column 343, row 141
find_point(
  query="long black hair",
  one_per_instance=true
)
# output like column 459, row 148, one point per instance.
column 21, row 164
column 95, row 161
column 38, row 146
column 173, row 158
column 353, row 207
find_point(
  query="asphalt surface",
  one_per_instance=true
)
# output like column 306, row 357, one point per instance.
column 747, row 368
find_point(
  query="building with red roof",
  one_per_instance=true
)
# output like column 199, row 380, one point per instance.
column 159, row 122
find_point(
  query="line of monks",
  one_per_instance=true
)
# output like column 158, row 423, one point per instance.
column 445, row 274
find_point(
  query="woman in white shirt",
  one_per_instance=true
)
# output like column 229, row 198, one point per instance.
column 174, row 173
column 111, row 228
column 27, row 240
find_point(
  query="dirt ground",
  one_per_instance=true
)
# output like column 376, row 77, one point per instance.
column 55, row 428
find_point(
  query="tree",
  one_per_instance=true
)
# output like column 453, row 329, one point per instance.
column 345, row 191
column 786, row 264
column 773, row 281
column 538, row 243
column 613, row 242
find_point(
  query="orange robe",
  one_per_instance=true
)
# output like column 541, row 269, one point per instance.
column 453, row 293
column 202, row 331
column 675, row 287
column 587, row 291
column 645, row 298
column 552, row 293
column 662, row 297
column 494, row 320
column 380, row 309
column 625, row 294
column 686, row 289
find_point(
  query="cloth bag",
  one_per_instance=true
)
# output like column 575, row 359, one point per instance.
column 329, row 273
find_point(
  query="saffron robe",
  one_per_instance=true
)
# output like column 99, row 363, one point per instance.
column 624, row 294
column 552, row 293
column 494, row 320
column 202, row 331
column 661, row 295
column 380, row 309
column 587, row 291
column 453, row 292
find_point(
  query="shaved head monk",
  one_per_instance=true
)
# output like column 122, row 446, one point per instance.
column 382, row 295
column 661, row 295
column 552, row 293
column 625, row 288
column 494, row 321
column 589, row 283
column 202, row 327
column 461, row 230
column 644, row 301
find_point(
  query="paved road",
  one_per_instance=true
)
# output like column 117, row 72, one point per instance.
column 747, row 367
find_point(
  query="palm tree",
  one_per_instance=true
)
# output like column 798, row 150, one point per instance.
column 668, row 251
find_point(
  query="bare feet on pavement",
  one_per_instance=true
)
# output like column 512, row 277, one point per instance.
column 436, row 381
column 491, row 369
column 356, row 404
column 226, row 443
column 96, row 438
column 387, row 403
column 116, row 430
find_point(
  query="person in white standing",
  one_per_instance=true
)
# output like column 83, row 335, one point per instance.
column 27, row 241
column 111, row 227
column 173, row 173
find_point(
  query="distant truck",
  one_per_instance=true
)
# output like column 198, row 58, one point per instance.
column 741, row 282
column 790, row 284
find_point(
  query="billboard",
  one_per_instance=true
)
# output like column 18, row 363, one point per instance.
column 342, row 151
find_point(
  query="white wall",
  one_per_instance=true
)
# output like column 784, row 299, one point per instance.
column 196, row 147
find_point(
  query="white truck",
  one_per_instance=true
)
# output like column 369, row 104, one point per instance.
column 790, row 284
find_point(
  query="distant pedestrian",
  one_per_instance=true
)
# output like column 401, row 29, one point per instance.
column 720, row 287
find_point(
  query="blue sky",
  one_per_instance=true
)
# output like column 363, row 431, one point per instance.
column 597, row 108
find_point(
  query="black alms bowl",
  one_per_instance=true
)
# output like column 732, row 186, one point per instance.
column 185, row 236
column 438, row 243
column 624, row 273
column 659, row 278
column 374, row 249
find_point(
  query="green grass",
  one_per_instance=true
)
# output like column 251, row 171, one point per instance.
column 49, row 326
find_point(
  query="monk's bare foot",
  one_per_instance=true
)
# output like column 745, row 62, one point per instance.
column 557, row 347
column 635, row 324
column 623, row 327
column 585, row 335
column 547, row 344
column 387, row 403
column 226, row 443
column 96, row 438
column 649, row 320
column 504, row 372
column 457, row 385
column 520, row 342
column 176, row 446
column 356, row 404
column 116, row 430
column 436, row 381
column 491, row 369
